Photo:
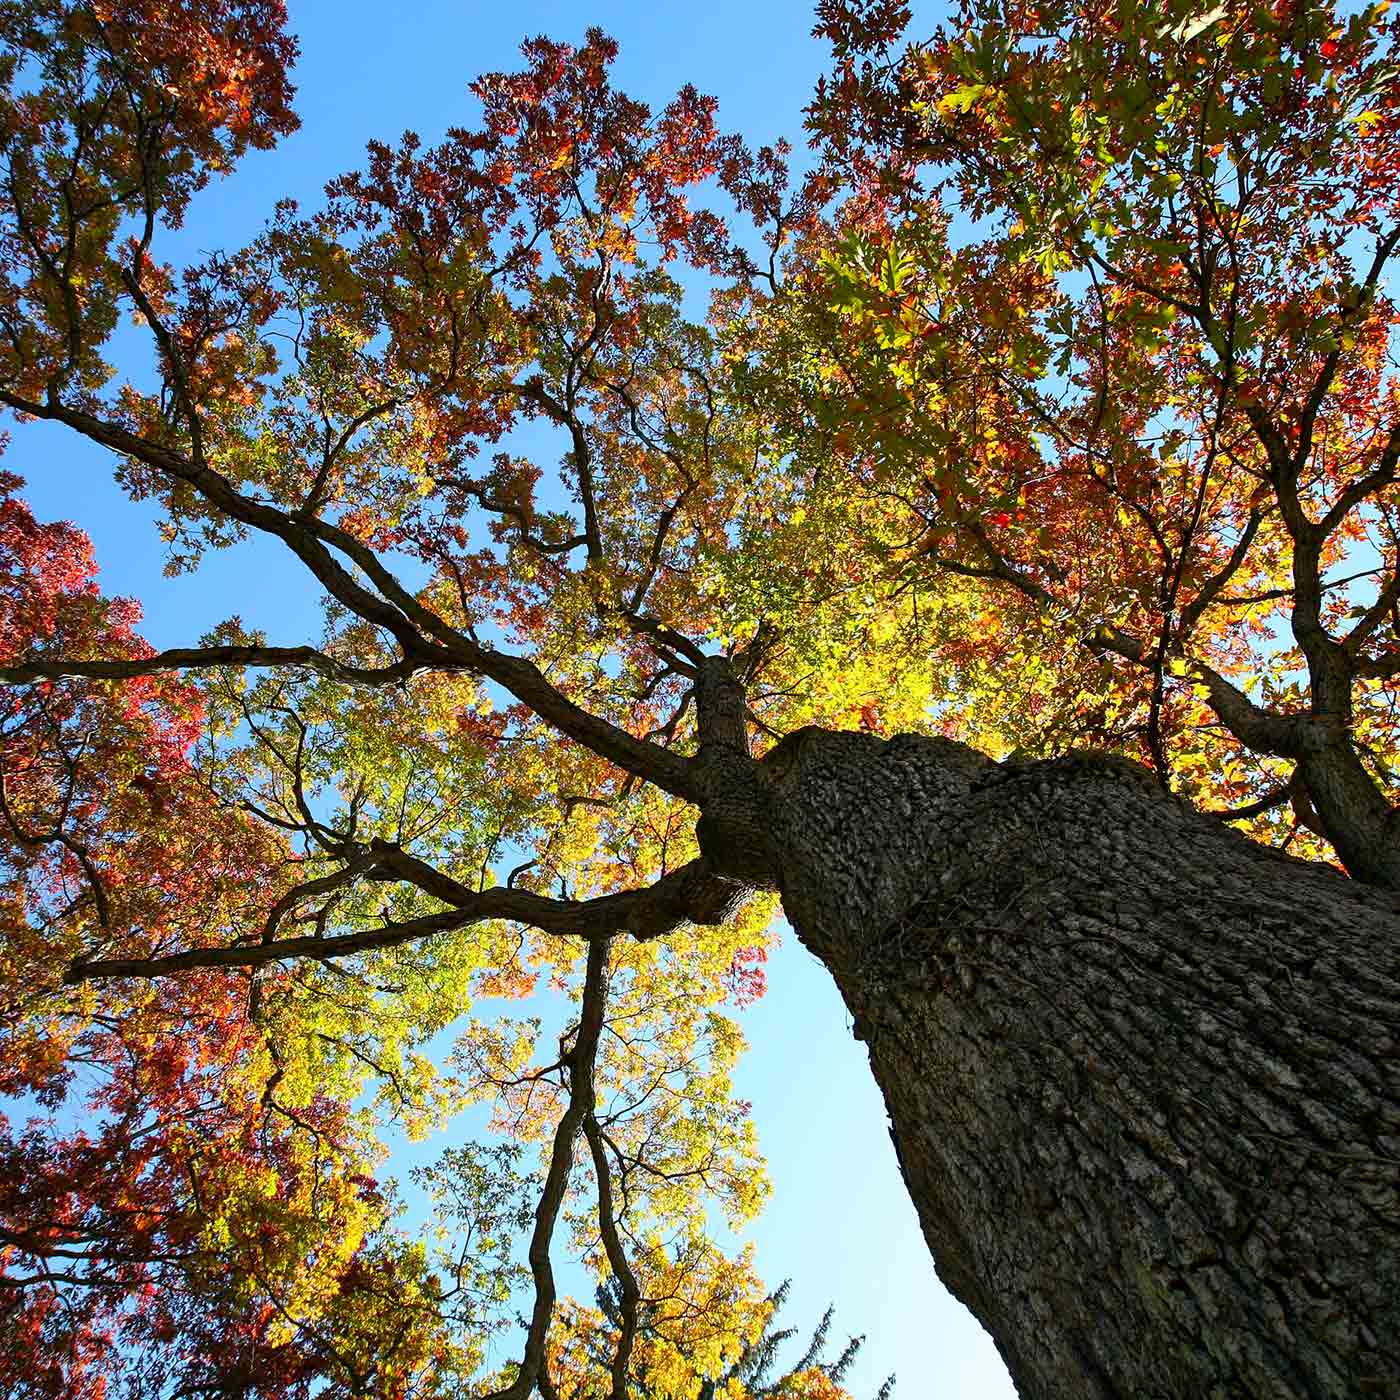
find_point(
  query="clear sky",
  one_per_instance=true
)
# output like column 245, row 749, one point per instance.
column 839, row 1222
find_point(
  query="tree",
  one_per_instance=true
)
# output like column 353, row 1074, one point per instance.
column 1149, row 407
column 1141, row 1070
column 585, row 1349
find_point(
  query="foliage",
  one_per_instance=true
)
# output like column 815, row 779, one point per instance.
column 1098, row 364
column 192, row 1202
column 1055, row 406
column 585, row 1350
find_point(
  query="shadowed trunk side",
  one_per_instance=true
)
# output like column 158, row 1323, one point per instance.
column 1142, row 1074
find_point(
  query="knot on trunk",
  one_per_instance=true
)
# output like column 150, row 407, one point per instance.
column 734, row 830
column 735, row 839
column 735, row 826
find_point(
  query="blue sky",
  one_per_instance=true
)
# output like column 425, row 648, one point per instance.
column 839, row 1223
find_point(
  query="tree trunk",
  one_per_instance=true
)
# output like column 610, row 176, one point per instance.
column 1142, row 1075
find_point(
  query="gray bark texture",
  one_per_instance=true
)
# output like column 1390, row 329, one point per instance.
column 1143, row 1076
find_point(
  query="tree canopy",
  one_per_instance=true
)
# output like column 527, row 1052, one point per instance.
column 1051, row 404
column 1103, row 359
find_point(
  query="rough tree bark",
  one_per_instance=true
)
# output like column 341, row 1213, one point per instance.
column 1142, row 1075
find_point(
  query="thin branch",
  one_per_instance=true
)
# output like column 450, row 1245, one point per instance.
column 1275, row 797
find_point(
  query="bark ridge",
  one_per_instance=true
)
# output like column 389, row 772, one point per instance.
column 1142, row 1074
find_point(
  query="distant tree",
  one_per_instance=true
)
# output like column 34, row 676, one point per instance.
column 587, row 1348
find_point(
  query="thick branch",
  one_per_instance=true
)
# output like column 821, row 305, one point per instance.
column 1210, row 590
column 1379, row 667
column 722, row 709
column 206, row 658
column 390, row 935
column 617, row 1257
column 580, row 1062
column 1257, row 728
column 691, row 894
column 394, row 608
column 299, row 536
column 1380, row 476
column 669, row 771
